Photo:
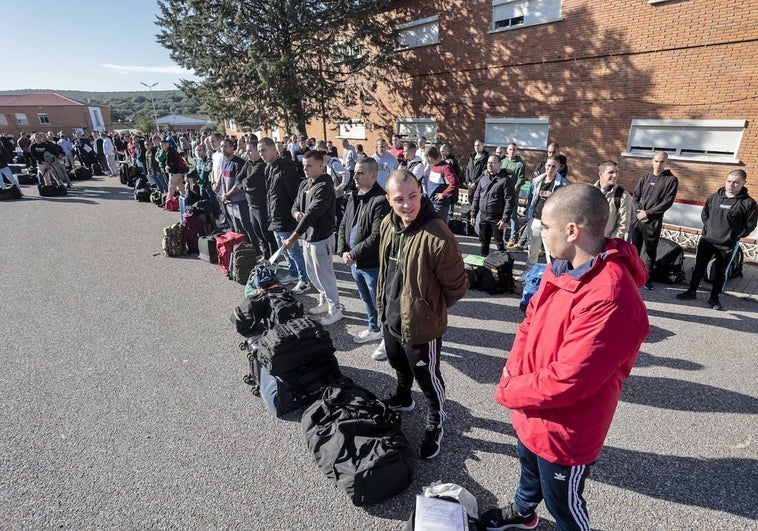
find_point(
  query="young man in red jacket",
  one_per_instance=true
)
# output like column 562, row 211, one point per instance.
column 562, row 381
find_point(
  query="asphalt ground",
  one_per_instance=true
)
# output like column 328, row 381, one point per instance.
column 122, row 403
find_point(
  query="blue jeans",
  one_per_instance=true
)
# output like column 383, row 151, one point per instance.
column 514, row 224
column 366, row 281
column 159, row 180
column 560, row 486
column 295, row 259
column 442, row 207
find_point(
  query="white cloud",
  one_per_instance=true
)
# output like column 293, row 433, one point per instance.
column 165, row 69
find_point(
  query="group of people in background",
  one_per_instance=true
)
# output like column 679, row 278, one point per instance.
column 385, row 216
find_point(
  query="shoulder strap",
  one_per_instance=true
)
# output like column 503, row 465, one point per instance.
column 617, row 195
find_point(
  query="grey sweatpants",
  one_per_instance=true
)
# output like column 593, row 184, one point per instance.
column 320, row 269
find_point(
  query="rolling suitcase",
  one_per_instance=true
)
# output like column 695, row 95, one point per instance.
column 299, row 389
column 206, row 247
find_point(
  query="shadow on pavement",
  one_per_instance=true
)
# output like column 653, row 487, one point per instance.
column 731, row 321
column 719, row 484
column 648, row 360
column 680, row 395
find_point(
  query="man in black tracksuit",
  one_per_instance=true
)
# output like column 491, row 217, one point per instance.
column 728, row 215
column 494, row 201
column 652, row 197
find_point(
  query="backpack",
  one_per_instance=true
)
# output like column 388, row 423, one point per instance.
column 497, row 273
column 669, row 262
column 733, row 269
column 250, row 316
column 531, row 285
column 172, row 204
column 244, row 258
column 261, row 277
column 173, row 240
column 285, row 347
column 182, row 165
column 156, row 198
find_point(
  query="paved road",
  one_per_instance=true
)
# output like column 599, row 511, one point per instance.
column 122, row 402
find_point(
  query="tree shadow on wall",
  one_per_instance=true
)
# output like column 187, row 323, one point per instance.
column 574, row 71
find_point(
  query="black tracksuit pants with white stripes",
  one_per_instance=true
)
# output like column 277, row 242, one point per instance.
column 422, row 363
column 560, row 486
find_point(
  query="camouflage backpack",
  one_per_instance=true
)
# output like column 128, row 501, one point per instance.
column 173, row 240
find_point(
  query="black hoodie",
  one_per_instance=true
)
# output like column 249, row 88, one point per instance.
column 655, row 194
column 727, row 219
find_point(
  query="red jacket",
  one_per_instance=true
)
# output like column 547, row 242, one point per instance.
column 581, row 335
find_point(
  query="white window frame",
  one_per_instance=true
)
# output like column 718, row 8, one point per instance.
column 3, row 119
column 524, row 13
column 21, row 118
column 425, row 30
column 527, row 133
column 343, row 52
column 41, row 115
column 716, row 141
column 354, row 129
column 414, row 128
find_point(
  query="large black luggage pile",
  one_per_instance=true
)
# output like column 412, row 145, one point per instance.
column 358, row 443
column 669, row 263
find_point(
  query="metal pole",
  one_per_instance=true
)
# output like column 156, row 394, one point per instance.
column 152, row 102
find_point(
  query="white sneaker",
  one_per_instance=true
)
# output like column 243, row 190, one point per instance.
column 332, row 318
column 367, row 336
column 301, row 287
column 519, row 278
column 289, row 279
column 380, row 354
column 322, row 307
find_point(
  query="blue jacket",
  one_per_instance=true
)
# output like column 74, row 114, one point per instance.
column 531, row 198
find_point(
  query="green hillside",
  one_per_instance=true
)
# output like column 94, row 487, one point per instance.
column 127, row 106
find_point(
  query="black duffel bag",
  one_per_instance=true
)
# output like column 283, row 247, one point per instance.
column 298, row 389
column 358, row 444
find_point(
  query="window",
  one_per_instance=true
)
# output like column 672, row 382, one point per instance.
column 3, row 120
column 700, row 140
column 527, row 133
column 509, row 13
column 414, row 128
column 346, row 51
column 419, row 32
column 21, row 119
column 355, row 128
column 43, row 118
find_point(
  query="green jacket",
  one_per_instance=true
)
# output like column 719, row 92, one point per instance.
column 434, row 277
column 518, row 168
column 201, row 171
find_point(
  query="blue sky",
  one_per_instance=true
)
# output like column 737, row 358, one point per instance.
column 95, row 45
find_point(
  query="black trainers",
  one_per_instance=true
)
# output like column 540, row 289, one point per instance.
column 396, row 403
column 508, row 518
column 430, row 446
column 715, row 303
column 649, row 285
column 688, row 295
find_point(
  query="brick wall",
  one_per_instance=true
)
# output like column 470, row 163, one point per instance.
column 62, row 118
column 591, row 73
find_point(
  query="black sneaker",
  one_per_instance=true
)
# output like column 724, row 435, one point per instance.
column 430, row 446
column 715, row 303
column 508, row 518
column 649, row 285
column 688, row 295
column 397, row 403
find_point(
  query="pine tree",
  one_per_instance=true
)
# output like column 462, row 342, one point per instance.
column 266, row 62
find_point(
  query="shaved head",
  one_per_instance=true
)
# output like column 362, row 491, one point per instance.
column 582, row 204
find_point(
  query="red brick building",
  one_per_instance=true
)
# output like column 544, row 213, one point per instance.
column 50, row 112
column 607, row 80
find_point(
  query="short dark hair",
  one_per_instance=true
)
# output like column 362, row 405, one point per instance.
column 409, row 145
column 314, row 154
column 266, row 141
column 739, row 173
column 583, row 204
column 604, row 165
column 432, row 153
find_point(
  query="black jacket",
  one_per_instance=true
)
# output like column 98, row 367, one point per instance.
column 494, row 197
column 655, row 194
column 727, row 219
column 317, row 201
column 282, row 183
column 373, row 208
column 253, row 175
column 475, row 168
